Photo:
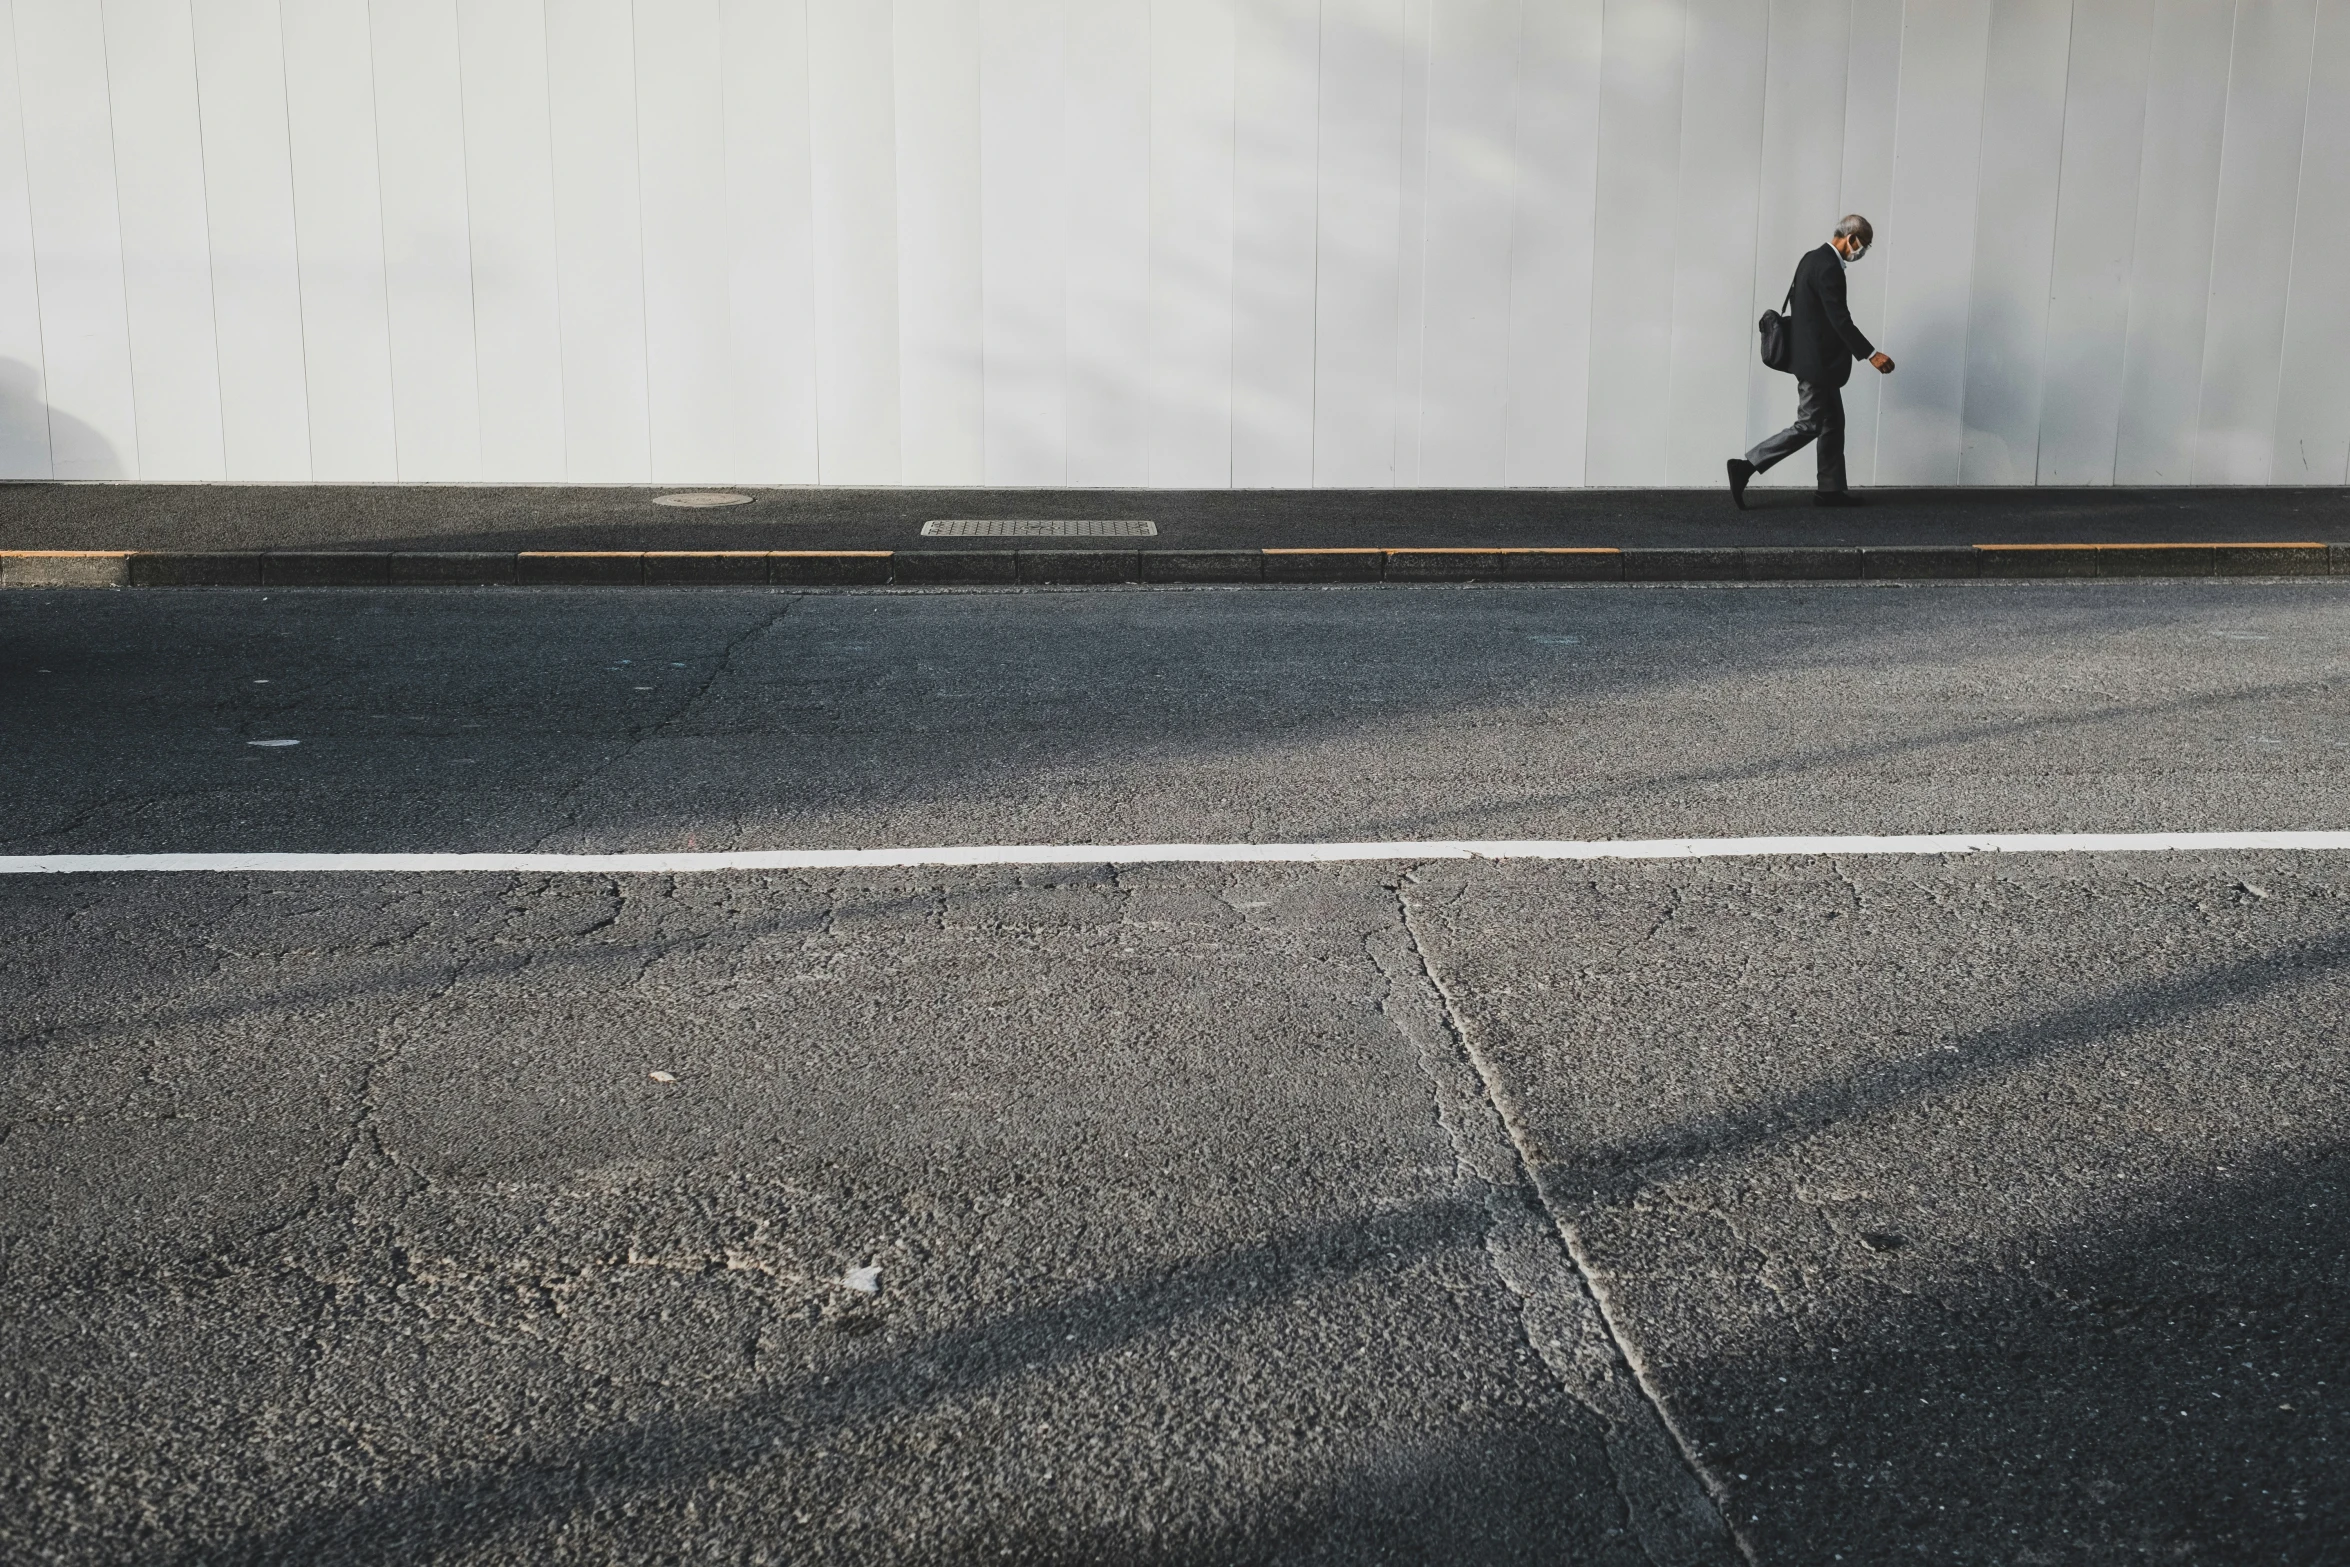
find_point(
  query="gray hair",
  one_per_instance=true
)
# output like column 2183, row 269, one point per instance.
column 1857, row 227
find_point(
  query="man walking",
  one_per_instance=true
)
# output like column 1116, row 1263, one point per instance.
column 1825, row 343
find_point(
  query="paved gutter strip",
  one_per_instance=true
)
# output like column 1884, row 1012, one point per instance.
column 1006, row 567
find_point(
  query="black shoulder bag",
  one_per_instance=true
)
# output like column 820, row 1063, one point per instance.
column 1778, row 336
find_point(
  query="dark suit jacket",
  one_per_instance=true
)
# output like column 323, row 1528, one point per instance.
column 1825, row 340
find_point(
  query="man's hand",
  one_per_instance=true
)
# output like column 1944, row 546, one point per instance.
column 1883, row 364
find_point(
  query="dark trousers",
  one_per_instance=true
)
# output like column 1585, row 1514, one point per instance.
column 1819, row 416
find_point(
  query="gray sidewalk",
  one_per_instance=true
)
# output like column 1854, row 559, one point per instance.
column 229, row 517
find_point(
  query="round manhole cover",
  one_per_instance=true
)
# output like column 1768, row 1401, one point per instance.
column 703, row 498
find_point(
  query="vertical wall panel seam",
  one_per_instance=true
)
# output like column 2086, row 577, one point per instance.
column 2130, row 298
column 383, row 237
column 2130, row 287
column 740, row 443
column 2316, row 32
column 1314, row 272
column 1509, row 253
column 1420, row 324
column 1591, row 285
column 2064, row 125
column 285, row 107
column 32, row 241
column 130, row 340
column 1150, row 184
column 211, row 268
column 1066, row 204
column 1151, row 333
column 1762, row 151
column 979, row 158
column 1762, row 172
column 2227, row 102
column 1232, row 262
column 1673, row 298
column 1893, row 177
column 1966, row 330
column 1591, row 295
column 472, row 285
column 815, row 293
column 555, row 246
column 644, row 284
column 2276, row 404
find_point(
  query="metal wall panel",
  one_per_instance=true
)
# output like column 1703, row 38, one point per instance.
column 1801, row 180
column 1108, row 140
column 2096, row 239
column 1189, row 364
column 2252, row 262
column 1411, row 245
column 1552, row 243
column 166, row 250
column 1175, row 242
column 428, row 247
column 938, row 183
column 1718, row 198
column 1358, row 218
column 2313, row 380
column 2170, row 268
column 692, row 396
column 24, row 412
column 1461, row 329
column 339, row 238
column 1631, row 276
column 853, row 193
column 1927, row 250
column 770, row 238
column 249, row 205
column 1024, row 239
column 510, row 219
column 1872, row 119
column 599, row 241
column 69, row 167
column 1276, row 110
column 2015, row 238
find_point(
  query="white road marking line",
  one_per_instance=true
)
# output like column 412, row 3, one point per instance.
column 1193, row 853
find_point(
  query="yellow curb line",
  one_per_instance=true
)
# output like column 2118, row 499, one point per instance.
column 2298, row 545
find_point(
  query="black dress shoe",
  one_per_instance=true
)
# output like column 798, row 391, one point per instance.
column 1740, row 472
column 1836, row 498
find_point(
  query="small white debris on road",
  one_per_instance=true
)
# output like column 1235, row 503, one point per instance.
column 865, row 1281
column 662, row 1077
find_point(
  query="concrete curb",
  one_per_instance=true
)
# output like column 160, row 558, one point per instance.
column 1006, row 567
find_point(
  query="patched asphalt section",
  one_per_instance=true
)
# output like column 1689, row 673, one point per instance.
column 1986, row 1210
column 350, row 1222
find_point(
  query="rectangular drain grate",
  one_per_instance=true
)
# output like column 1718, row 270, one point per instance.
column 1040, row 528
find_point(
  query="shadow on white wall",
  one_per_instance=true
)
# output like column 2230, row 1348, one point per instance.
column 31, row 430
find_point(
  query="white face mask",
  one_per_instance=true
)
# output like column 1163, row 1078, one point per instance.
column 1859, row 248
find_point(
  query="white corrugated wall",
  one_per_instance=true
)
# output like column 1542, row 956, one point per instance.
column 1163, row 242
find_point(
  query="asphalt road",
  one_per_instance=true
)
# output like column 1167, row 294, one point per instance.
column 1800, row 1210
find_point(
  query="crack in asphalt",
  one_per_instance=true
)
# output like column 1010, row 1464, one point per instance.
column 1678, row 1511
column 570, row 804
